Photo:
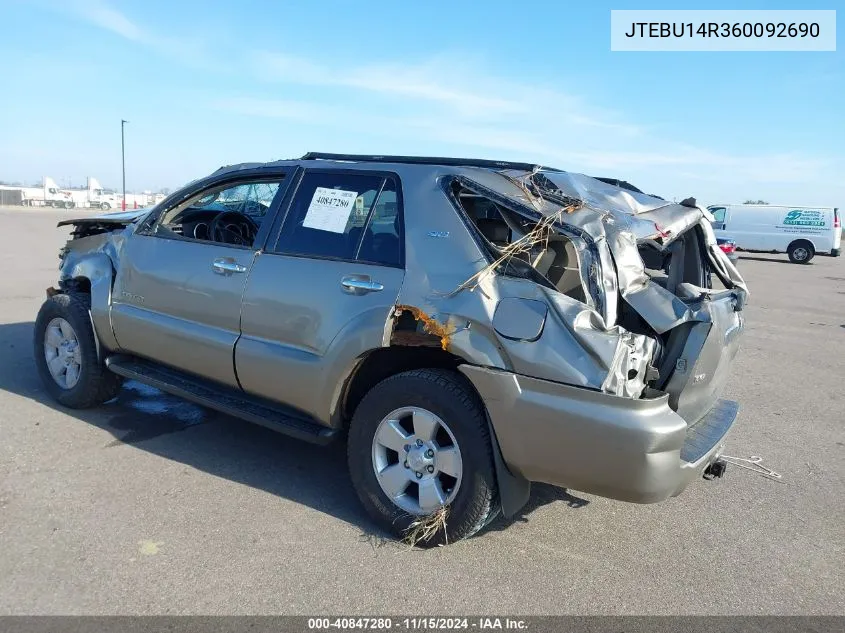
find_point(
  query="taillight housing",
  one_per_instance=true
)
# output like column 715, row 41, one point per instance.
column 727, row 247
column 836, row 224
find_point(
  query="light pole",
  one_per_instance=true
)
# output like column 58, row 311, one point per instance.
column 123, row 160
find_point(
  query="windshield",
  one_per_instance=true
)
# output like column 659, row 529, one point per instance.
column 253, row 199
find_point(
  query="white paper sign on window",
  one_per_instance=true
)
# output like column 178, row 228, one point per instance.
column 329, row 209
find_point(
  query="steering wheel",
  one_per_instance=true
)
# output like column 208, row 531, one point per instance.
column 231, row 233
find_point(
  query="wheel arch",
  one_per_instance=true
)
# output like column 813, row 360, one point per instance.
column 800, row 240
column 93, row 274
column 804, row 244
column 95, row 384
column 380, row 364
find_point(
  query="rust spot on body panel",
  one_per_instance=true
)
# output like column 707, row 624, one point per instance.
column 430, row 325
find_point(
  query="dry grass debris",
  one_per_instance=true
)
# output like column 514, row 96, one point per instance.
column 536, row 239
column 423, row 529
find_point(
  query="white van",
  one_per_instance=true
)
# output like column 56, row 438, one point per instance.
column 801, row 232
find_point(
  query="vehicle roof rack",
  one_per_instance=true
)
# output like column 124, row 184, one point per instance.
column 427, row 160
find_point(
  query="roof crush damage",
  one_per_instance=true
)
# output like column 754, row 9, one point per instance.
column 502, row 318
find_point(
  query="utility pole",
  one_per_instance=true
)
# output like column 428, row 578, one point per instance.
column 123, row 159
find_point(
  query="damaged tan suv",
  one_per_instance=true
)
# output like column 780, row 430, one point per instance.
column 472, row 325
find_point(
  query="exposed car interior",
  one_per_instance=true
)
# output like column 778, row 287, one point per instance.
column 229, row 215
column 681, row 263
column 381, row 239
column 554, row 257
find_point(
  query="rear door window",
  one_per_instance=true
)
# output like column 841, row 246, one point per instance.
column 382, row 238
column 346, row 216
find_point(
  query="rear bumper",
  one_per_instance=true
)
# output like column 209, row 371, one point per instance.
column 836, row 252
column 632, row 450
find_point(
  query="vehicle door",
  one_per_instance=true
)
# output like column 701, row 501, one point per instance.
column 719, row 219
column 178, row 289
column 753, row 228
column 767, row 231
column 320, row 295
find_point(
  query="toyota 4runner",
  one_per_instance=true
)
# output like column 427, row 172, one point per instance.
column 472, row 325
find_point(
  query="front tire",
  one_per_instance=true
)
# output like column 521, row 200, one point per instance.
column 418, row 442
column 105, row 206
column 801, row 252
column 66, row 354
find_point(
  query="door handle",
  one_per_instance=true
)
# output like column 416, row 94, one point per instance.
column 227, row 266
column 360, row 285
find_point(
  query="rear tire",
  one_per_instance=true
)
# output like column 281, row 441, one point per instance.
column 800, row 252
column 446, row 397
column 70, row 333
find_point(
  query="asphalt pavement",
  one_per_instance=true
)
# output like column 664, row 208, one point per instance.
column 153, row 505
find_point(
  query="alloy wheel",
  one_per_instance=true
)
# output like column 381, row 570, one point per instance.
column 416, row 460
column 62, row 352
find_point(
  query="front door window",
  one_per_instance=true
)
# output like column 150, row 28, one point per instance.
column 228, row 214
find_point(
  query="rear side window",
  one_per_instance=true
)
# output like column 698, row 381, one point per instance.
column 344, row 216
column 382, row 239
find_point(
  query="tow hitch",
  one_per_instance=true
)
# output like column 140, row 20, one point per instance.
column 716, row 469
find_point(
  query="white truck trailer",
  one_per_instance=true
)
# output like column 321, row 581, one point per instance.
column 96, row 196
column 49, row 195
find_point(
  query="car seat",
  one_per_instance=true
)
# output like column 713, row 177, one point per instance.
column 496, row 231
column 381, row 247
column 558, row 262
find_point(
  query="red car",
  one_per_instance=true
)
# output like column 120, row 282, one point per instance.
column 728, row 246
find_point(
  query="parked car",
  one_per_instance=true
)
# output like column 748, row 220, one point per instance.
column 800, row 232
column 472, row 325
column 728, row 246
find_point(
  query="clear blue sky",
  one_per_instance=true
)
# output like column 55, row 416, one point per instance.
column 211, row 83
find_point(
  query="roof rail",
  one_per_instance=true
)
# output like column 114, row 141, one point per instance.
column 427, row 160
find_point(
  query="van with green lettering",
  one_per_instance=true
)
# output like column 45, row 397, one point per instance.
column 800, row 232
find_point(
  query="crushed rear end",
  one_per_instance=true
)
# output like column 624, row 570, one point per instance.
column 615, row 374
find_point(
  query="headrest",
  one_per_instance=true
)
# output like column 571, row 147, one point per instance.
column 494, row 230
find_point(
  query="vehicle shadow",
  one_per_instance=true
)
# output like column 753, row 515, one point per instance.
column 226, row 447
column 541, row 495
